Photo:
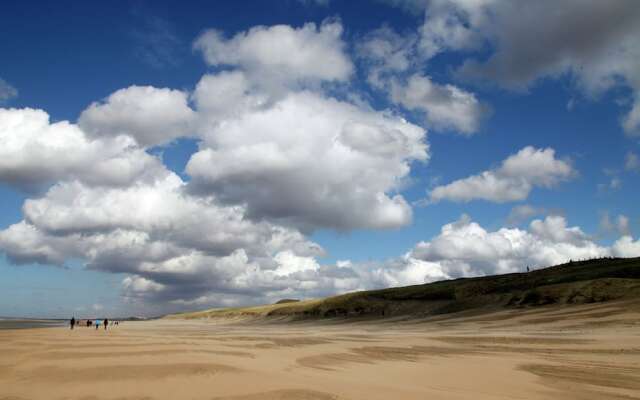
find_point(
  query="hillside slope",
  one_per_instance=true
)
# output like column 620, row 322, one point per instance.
column 572, row 283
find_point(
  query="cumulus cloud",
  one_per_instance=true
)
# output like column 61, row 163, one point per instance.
column 512, row 181
column 227, row 95
column 23, row 243
column 261, row 262
column 446, row 107
column 277, row 158
column 593, row 42
column 452, row 26
column 275, row 142
column 385, row 54
column 172, row 245
column 150, row 115
column 7, row 92
column 391, row 61
column 311, row 161
column 464, row 248
column 160, row 209
column 626, row 247
column 271, row 166
column 36, row 152
column 281, row 54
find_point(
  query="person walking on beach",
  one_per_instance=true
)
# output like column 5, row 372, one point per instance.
column 97, row 324
column 72, row 322
column 106, row 322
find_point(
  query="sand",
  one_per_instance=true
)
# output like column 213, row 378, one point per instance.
column 576, row 352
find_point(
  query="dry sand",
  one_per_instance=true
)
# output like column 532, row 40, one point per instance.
column 577, row 352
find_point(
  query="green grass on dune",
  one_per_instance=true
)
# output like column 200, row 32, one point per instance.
column 572, row 283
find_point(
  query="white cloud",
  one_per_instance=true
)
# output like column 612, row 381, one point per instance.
column 23, row 243
column 289, row 263
column 512, row 181
column 7, row 92
column 386, row 53
column 226, row 95
column 311, row 161
column 452, row 26
column 151, row 116
column 592, row 41
column 36, row 152
column 172, row 245
column 179, row 273
column 626, row 247
column 277, row 157
column 272, row 161
column 392, row 61
column 164, row 212
column 464, row 248
column 446, row 107
column 281, row 54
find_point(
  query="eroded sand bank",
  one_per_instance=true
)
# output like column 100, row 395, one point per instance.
column 578, row 352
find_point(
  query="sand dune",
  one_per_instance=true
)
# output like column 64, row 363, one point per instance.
column 552, row 352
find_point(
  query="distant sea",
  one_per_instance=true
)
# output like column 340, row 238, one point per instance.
column 17, row 323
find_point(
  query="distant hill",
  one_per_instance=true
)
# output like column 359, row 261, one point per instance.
column 580, row 282
column 283, row 301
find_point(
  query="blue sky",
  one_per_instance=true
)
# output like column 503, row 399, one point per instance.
column 239, row 152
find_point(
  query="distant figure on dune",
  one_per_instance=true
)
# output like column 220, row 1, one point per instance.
column 97, row 324
column 89, row 323
column 106, row 322
column 72, row 322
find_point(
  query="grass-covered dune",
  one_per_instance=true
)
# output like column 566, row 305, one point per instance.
column 572, row 283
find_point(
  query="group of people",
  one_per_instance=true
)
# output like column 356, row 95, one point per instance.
column 90, row 322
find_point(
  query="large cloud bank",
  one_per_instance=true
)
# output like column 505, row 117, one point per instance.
column 281, row 153
column 593, row 42
column 275, row 162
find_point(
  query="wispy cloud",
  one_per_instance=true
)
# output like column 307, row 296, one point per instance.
column 7, row 92
column 156, row 42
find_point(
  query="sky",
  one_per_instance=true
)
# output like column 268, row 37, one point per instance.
column 161, row 156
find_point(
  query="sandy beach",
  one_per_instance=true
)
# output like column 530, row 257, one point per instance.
column 577, row 352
